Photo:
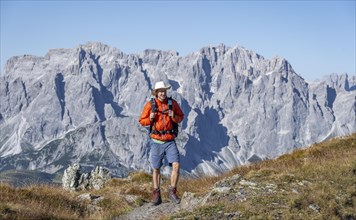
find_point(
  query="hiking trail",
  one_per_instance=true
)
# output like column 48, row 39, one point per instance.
column 149, row 211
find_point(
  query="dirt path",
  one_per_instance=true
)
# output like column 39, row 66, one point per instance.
column 149, row 211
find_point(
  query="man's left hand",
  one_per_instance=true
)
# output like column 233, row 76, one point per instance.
column 171, row 113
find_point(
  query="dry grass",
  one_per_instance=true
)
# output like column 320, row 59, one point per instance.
column 53, row 202
column 39, row 202
column 315, row 183
column 199, row 186
column 323, row 176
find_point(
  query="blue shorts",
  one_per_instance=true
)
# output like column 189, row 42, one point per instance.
column 158, row 151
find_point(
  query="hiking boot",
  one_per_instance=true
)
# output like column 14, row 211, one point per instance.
column 172, row 194
column 156, row 197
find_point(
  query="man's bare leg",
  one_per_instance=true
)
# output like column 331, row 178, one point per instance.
column 172, row 191
column 156, row 178
column 175, row 174
column 156, row 195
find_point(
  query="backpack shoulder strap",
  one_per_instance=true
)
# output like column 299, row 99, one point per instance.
column 170, row 103
column 153, row 110
column 175, row 125
column 153, row 105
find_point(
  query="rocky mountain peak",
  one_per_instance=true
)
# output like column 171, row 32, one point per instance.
column 82, row 105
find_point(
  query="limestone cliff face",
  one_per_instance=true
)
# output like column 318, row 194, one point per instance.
column 82, row 106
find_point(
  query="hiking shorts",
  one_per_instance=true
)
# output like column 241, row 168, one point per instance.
column 158, row 151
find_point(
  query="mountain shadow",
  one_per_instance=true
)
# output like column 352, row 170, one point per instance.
column 331, row 96
column 212, row 138
column 104, row 93
column 60, row 91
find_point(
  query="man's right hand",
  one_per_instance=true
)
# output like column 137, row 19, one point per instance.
column 152, row 116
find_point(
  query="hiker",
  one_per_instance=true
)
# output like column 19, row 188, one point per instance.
column 161, row 114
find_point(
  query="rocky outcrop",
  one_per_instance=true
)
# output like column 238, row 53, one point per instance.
column 73, row 179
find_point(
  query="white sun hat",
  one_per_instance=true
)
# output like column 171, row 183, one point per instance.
column 159, row 85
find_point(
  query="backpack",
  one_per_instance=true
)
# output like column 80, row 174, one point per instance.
column 170, row 107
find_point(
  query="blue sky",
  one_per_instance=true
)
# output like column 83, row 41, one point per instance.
column 316, row 37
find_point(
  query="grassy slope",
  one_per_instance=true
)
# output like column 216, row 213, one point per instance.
column 315, row 183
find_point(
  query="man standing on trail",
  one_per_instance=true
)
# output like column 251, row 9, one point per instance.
column 163, row 114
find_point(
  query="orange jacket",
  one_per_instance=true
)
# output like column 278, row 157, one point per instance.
column 162, row 122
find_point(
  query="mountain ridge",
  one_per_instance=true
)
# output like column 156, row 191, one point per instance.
column 92, row 95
